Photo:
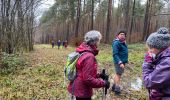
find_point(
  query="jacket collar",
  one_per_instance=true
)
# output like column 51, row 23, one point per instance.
column 87, row 48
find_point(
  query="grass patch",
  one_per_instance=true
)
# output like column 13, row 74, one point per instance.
column 43, row 77
column 11, row 63
column 136, row 57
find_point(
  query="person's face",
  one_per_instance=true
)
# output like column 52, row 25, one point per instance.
column 154, row 50
column 121, row 36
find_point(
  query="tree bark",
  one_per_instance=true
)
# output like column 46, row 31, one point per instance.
column 78, row 19
column 108, row 21
column 146, row 20
column 92, row 15
column 126, row 18
column 132, row 19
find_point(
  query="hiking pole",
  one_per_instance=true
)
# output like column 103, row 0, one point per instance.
column 106, row 79
column 103, row 96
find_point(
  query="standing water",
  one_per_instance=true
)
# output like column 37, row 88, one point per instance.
column 136, row 84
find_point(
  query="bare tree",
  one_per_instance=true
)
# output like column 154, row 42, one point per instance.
column 17, row 24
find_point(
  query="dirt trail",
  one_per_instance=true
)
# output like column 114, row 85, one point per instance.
column 48, row 56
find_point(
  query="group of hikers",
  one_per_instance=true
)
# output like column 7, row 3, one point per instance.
column 155, row 68
column 59, row 44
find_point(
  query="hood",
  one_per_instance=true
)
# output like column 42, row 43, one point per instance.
column 87, row 48
column 162, row 54
column 165, row 52
column 121, row 41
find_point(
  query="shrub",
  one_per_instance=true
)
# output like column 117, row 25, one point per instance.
column 11, row 63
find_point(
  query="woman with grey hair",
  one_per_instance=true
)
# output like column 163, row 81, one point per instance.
column 86, row 67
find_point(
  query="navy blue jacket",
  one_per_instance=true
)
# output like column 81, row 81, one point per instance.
column 120, row 52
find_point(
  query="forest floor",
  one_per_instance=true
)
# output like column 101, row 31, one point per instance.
column 42, row 78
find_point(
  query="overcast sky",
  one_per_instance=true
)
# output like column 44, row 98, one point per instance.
column 44, row 6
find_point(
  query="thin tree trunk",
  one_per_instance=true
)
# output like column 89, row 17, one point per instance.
column 132, row 19
column 83, row 20
column 146, row 20
column 169, row 13
column 126, row 19
column 92, row 15
column 8, row 29
column 108, row 21
column 78, row 19
column 67, row 35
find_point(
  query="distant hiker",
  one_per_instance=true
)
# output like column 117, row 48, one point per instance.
column 156, row 66
column 58, row 44
column 87, row 77
column 65, row 43
column 120, row 58
column 52, row 43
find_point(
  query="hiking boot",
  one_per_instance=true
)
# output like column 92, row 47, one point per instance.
column 113, row 87
column 117, row 90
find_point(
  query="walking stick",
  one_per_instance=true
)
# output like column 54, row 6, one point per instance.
column 104, row 89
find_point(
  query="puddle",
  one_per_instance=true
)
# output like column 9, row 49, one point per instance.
column 136, row 84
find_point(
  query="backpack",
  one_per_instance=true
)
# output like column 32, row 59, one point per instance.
column 70, row 67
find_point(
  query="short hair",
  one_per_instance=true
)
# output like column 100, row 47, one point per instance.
column 122, row 31
column 92, row 37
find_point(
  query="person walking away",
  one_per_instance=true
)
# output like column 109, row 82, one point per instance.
column 120, row 58
column 52, row 43
column 86, row 67
column 58, row 44
column 156, row 66
column 65, row 44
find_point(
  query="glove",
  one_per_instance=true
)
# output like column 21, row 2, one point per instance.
column 107, row 84
column 104, row 76
column 148, row 57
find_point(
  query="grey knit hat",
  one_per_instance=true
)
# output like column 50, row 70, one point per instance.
column 159, row 39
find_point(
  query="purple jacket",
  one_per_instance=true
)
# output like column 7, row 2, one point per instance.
column 156, row 75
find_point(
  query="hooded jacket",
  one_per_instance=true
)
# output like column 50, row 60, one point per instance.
column 87, row 77
column 156, row 74
column 120, row 52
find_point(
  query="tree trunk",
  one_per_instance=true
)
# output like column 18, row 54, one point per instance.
column 132, row 19
column 31, row 43
column 92, row 15
column 126, row 17
column 8, row 29
column 146, row 20
column 108, row 21
column 68, row 28
column 78, row 19
column 169, row 13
